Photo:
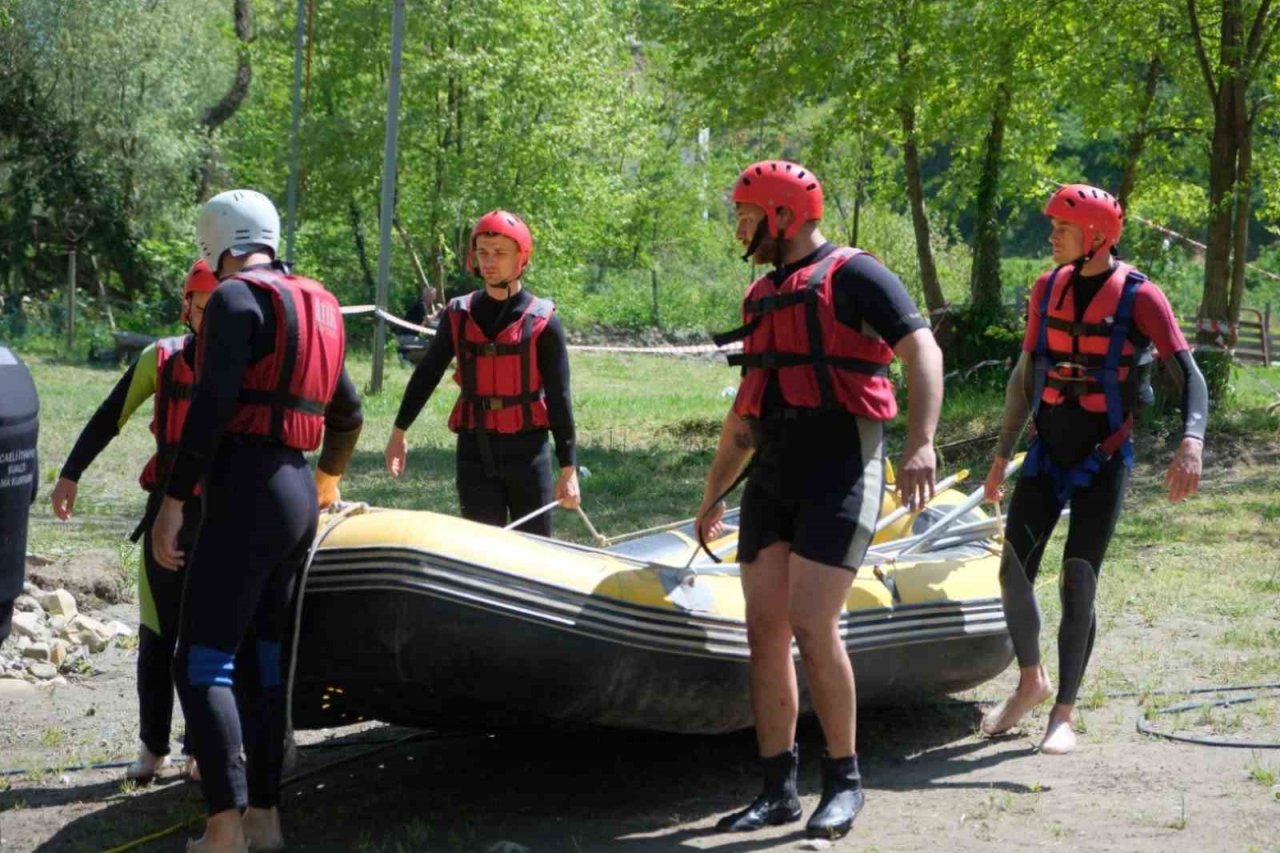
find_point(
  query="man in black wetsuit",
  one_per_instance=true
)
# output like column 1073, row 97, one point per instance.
column 513, row 374
column 1083, row 374
column 819, row 333
column 270, row 382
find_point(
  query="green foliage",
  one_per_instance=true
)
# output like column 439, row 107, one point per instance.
column 614, row 129
column 974, row 335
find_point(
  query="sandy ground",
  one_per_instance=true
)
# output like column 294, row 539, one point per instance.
column 932, row 784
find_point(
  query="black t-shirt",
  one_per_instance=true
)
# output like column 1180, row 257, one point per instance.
column 492, row 316
column 864, row 291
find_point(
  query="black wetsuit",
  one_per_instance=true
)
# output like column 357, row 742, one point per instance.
column 1070, row 433
column 816, row 480
column 523, row 480
column 260, row 518
column 158, row 587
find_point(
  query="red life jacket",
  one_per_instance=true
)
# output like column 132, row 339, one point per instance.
column 285, row 393
column 1077, row 352
column 499, row 376
column 175, row 383
column 820, row 363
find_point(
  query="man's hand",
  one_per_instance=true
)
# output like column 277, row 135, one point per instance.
column 993, row 487
column 708, row 525
column 64, row 497
column 164, row 535
column 397, row 450
column 327, row 489
column 567, row 491
column 1183, row 476
column 916, row 476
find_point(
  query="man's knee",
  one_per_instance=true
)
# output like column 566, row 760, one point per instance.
column 1078, row 587
column 815, row 634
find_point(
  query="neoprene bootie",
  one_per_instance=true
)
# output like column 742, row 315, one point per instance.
column 777, row 804
column 842, row 799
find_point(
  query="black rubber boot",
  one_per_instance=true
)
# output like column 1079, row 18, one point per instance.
column 777, row 804
column 842, row 799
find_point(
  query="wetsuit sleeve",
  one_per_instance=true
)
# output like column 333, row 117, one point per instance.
column 1017, row 406
column 137, row 384
column 231, row 320
column 427, row 375
column 864, row 290
column 1154, row 317
column 553, row 364
column 343, row 419
column 1195, row 393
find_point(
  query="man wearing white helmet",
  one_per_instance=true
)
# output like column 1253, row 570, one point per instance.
column 270, row 384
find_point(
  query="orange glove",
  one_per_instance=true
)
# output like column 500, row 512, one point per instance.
column 327, row 489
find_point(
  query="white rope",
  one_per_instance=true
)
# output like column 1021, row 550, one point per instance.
column 600, row 541
column 689, row 349
column 534, row 514
column 343, row 513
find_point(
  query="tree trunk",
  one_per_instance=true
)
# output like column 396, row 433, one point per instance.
column 1243, row 199
column 357, row 234
column 1138, row 138
column 218, row 114
column 419, row 271
column 1222, row 178
column 985, row 288
column 934, row 300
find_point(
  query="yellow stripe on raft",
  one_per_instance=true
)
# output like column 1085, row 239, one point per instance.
column 591, row 572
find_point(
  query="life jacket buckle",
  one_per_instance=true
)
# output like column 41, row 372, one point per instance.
column 1070, row 371
column 493, row 404
column 489, row 349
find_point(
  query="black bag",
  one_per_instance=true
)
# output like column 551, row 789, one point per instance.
column 19, row 426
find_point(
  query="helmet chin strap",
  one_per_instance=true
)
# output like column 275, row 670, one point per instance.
column 756, row 239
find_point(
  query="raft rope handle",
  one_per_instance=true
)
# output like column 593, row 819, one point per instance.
column 537, row 512
column 344, row 512
column 601, row 541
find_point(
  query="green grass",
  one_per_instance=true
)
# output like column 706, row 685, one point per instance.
column 647, row 429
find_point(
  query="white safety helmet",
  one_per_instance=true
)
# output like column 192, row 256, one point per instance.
column 236, row 221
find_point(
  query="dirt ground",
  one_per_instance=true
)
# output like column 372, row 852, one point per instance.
column 932, row 785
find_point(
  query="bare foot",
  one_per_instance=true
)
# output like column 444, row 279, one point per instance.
column 262, row 829
column 223, row 833
column 1030, row 693
column 1059, row 736
column 204, row 845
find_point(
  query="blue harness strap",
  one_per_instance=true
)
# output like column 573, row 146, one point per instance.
column 1037, row 462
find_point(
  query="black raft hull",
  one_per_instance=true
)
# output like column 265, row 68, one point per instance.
column 442, row 631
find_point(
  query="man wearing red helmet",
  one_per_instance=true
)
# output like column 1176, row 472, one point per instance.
column 513, row 376
column 1083, row 374
column 819, row 333
column 165, row 370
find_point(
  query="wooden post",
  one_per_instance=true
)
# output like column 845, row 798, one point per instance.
column 653, row 285
column 71, row 299
column 1266, row 335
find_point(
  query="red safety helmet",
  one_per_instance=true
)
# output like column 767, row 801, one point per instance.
column 507, row 225
column 200, row 279
column 771, row 184
column 1095, row 211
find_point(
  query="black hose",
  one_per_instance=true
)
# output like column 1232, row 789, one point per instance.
column 1145, row 726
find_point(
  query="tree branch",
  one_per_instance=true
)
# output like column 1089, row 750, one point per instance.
column 1201, row 56
column 1255, row 32
column 1264, row 49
